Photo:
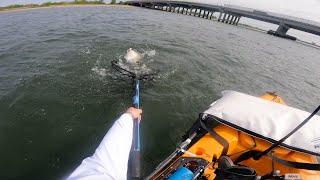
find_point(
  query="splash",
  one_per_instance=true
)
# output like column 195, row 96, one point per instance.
column 98, row 68
column 137, row 62
column 99, row 71
column 86, row 50
column 167, row 74
column 150, row 53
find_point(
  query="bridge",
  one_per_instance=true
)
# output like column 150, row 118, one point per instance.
column 231, row 15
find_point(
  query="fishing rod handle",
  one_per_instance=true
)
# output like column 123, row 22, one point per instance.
column 135, row 164
column 135, row 160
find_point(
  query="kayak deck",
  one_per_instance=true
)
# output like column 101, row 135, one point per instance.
column 206, row 151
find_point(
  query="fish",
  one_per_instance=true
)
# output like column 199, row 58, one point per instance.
column 133, row 57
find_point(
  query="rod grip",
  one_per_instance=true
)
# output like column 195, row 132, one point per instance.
column 135, row 164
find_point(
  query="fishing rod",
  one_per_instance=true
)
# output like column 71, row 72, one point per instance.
column 135, row 154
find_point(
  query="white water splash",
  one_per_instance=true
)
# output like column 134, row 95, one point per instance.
column 86, row 50
column 150, row 53
column 98, row 68
column 99, row 71
column 167, row 74
column 136, row 62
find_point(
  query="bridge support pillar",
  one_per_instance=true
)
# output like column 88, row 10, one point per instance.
column 219, row 18
column 228, row 19
column 238, row 21
column 232, row 19
column 282, row 32
column 224, row 17
column 211, row 15
column 235, row 20
column 208, row 12
column 282, row 29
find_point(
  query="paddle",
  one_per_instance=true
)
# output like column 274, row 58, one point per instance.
column 135, row 165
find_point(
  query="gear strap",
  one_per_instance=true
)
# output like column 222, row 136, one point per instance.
column 217, row 137
column 298, row 165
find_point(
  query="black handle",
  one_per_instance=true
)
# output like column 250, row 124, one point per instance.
column 135, row 164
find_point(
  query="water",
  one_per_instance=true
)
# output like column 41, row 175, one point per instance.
column 59, row 95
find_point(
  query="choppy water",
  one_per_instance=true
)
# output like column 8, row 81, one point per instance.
column 58, row 95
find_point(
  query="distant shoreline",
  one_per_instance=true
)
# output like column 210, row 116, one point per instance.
column 4, row 10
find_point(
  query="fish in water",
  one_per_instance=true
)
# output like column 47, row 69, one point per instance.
column 133, row 57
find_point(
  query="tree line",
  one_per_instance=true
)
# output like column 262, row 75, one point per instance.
column 49, row 3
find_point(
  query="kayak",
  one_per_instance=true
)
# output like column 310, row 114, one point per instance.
column 229, row 139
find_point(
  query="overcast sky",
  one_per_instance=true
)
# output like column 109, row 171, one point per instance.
column 308, row 9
